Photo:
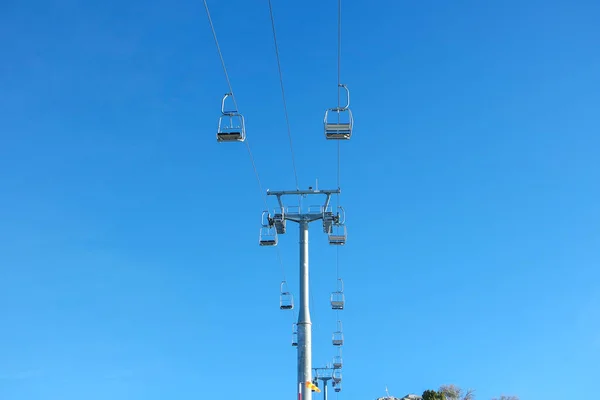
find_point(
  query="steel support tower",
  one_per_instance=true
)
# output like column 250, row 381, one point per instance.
column 304, row 219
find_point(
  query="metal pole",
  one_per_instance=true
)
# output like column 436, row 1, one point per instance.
column 304, row 324
column 324, row 389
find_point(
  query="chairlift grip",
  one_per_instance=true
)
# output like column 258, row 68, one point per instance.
column 343, row 214
column 230, row 113
column 343, row 85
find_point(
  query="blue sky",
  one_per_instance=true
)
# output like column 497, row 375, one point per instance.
column 128, row 244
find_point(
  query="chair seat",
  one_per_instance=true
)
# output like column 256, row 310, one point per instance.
column 229, row 136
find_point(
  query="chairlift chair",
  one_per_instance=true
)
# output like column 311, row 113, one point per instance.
column 338, row 121
column 286, row 299
column 231, row 124
column 337, row 362
column 337, row 376
column 337, row 231
column 337, row 235
column 295, row 335
column 337, row 297
column 267, row 236
column 338, row 336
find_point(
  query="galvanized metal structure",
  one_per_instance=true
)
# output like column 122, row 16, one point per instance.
column 232, row 127
column 338, row 121
column 324, row 375
column 337, row 297
column 286, row 299
column 302, row 334
column 338, row 124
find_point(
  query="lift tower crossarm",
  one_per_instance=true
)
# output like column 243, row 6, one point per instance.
column 326, row 376
column 308, row 191
column 280, row 193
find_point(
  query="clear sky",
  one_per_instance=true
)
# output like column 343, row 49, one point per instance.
column 129, row 258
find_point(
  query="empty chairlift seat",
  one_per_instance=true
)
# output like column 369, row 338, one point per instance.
column 337, row 297
column 337, row 380
column 286, row 300
column 267, row 236
column 338, row 121
column 231, row 124
column 295, row 335
column 337, row 376
column 337, row 235
column 338, row 336
column 337, row 301
column 337, row 362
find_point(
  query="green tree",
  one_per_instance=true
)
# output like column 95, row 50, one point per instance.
column 432, row 395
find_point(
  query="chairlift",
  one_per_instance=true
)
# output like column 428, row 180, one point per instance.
column 337, row 231
column 337, row 235
column 337, row 376
column 286, row 299
column 231, row 124
column 295, row 335
column 338, row 121
column 338, row 336
column 267, row 236
column 337, row 297
column 337, row 360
